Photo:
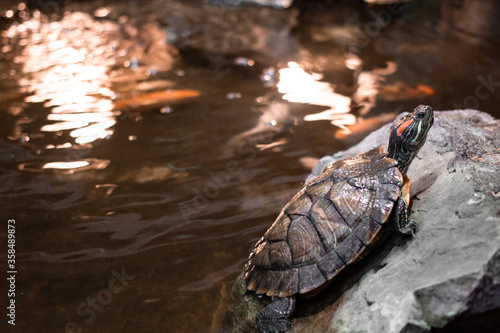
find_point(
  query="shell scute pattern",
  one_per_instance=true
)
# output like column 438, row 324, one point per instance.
column 391, row 176
column 381, row 210
column 320, row 189
column 300, row 205
column 279, row 229
column 330, row 225
column 388, row 191
column 350, row 249
column 304, row 241
column 326, row 226
column 368, row 232
column 331, row 264
column 350, row 169
column 280, row 255
column 354, row 204
column 310, row 278
column 260, row 257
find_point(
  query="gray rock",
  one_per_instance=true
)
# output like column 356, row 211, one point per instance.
column 445, row 277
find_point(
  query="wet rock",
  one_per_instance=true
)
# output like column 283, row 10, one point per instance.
column 216, row 30
column 230, row 28
column 447, row 278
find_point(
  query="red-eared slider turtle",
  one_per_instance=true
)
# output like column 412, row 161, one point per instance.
column 334, row 220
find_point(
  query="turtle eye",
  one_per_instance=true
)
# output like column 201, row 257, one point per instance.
column 421, row 115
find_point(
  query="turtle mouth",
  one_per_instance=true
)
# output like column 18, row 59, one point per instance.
column 429, row 125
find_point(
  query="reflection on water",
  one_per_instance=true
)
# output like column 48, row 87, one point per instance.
column 65, row 67
column 162, row 137
column 65, row 167
column 77, row 67
column 300, row 87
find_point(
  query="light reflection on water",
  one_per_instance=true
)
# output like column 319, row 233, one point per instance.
column 65, row 67
column 65, row 165
column 69, row 65
column 297, row 86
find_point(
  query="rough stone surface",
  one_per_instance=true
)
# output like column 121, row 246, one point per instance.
column 445, row 279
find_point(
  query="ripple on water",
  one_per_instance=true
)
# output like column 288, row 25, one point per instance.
column 104, row 167
column 64, row 167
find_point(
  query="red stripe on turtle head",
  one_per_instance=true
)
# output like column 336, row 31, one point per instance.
column 403, row 126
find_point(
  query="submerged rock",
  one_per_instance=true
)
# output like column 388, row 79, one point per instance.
column 445, row 279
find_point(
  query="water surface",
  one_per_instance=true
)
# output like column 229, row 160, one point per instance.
column 145, row 146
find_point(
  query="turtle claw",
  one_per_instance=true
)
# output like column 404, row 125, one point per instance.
column 410, row 229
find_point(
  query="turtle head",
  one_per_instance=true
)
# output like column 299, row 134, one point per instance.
column 408, row 136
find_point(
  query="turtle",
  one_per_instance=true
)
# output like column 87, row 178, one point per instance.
column 334, row 221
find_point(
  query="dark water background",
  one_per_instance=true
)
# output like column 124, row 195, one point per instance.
column 146, row 145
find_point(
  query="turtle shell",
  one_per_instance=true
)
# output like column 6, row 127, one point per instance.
column 326, row 226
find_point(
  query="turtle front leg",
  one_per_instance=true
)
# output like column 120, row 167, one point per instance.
column 401, row 222
column 274, row 317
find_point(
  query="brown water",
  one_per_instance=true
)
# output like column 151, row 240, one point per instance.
column 145, row 146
